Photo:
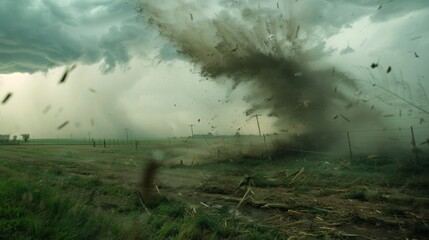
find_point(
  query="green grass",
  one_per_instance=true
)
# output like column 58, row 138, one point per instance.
column 34, row 210
column 86, row 193
column 174, row 220
column 31, row 211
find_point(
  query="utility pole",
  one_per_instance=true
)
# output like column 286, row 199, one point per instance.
column 259, row 129
column 192, row 132
column 350, row 146
column 126, row 133
column 257, row 121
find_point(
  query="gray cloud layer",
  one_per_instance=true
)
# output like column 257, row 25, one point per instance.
column 39, row 35
column 36, row 35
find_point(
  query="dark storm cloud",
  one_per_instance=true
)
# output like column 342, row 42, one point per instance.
column 38, row 35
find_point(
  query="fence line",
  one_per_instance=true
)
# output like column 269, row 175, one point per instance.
column 359, row 141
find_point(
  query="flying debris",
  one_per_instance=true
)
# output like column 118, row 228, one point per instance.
column 335, row 116
column 389, row 69
column 192, row 17
column 416, row 55
column 425, row 142
column 380, row 7
column 297, row 31
column 47, row 108
column 63, row 125
column 348, row 106
column 270, row 66
column 92, row 90
column 66, row 72
column 199, row 120
column 421, row 120
column 92, row 122
column 374, row 65
column 6, row 98
column 415, row 38
column 389, row 115
column 348, row 120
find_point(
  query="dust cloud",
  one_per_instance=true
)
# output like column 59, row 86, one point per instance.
column 276, row 51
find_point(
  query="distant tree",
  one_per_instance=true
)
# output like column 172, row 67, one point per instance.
column 25, row 137
column 4, row 138
column 237, row 134
column 14, row 138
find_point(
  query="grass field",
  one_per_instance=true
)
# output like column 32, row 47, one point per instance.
column 63, row 191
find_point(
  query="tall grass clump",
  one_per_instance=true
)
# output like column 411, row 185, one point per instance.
column 30, row 211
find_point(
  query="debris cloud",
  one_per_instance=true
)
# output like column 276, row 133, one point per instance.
column 270, row 49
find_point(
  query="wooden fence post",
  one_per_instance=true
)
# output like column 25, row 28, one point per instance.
column 350, row 146
column 413, row 142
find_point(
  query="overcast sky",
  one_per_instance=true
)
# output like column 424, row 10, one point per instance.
column 129, row 73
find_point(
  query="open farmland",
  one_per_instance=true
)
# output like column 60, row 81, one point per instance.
column 82, row 192
column 239, row 119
